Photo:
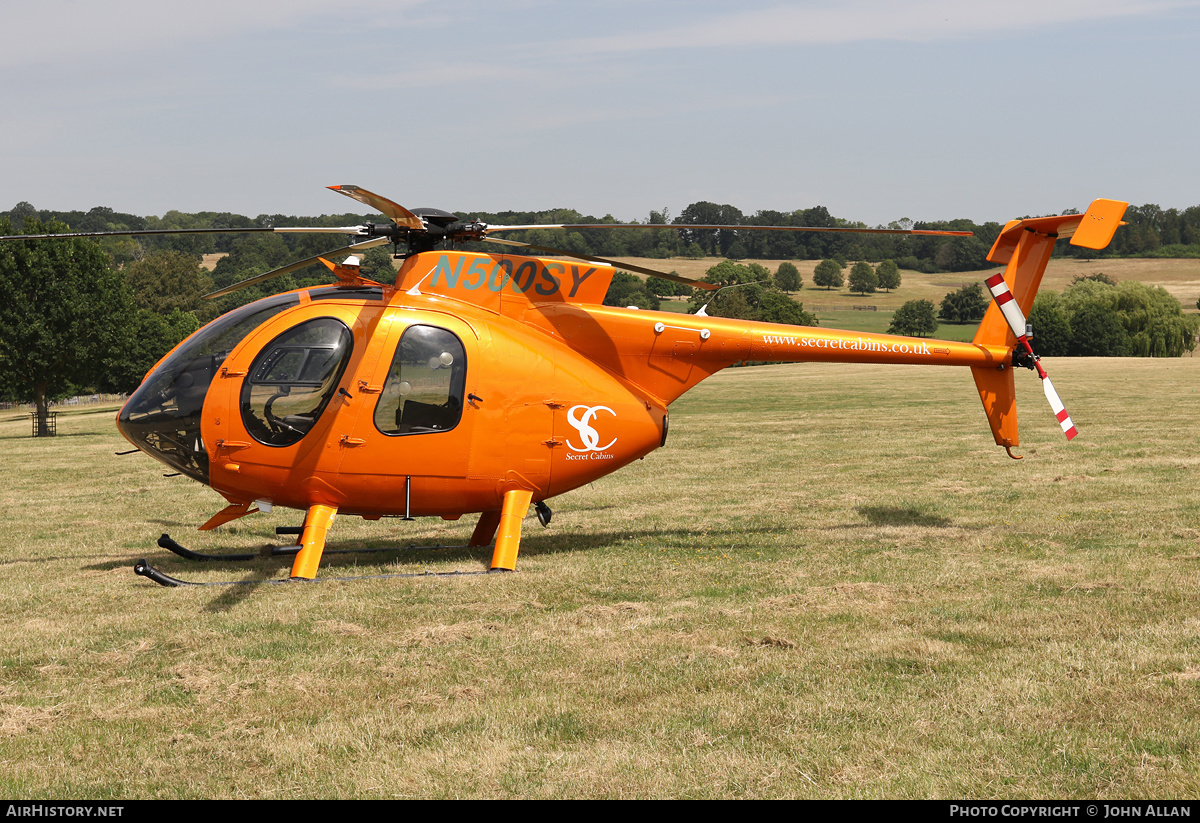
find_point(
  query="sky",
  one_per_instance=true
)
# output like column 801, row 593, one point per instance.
column 877, row 110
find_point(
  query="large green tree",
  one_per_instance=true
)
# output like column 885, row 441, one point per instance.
column 667, row 288
column 777, row 307
column 376, row 265
column 914, row 319
column 713, row 241
column 1130, row 319
column 1155, row 322
column 164, row 281
column 151, row 336
column 967, row 305
column 755, row 297
column 828, row 274
column 1096, row 317
column 629, row 290
column 65, row 315
column 787, row 277
column 1052, row 335
column 889, row 275
column 742, row 302
column 862, row 278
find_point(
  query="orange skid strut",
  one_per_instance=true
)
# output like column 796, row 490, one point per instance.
column 508, row 541
column 312, row 542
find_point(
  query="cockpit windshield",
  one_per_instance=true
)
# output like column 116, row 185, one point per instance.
column 163, row 415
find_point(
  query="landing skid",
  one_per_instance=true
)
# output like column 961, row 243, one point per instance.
column 165, row 542
column 144, row 569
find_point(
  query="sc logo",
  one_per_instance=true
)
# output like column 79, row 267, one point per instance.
column 582, row 423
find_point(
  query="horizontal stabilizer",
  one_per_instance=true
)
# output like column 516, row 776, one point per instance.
column 1099, row 223
column 1093, row 229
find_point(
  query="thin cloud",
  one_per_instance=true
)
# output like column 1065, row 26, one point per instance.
column 58, row 31
column 876, row 20
column 450, row 74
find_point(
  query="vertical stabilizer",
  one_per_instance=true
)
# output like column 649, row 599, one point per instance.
column 999, row 398
column 1024, row 247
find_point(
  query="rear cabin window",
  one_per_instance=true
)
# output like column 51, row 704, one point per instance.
column 293, row 378
column 425, row 385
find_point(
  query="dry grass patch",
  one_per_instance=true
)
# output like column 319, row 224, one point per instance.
column 828, row 584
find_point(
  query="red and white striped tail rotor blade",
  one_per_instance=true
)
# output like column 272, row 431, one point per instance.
column 1060, row 413
column 1016, row 321
column 1008, row 305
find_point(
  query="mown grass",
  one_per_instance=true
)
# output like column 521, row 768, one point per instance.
column 829, row 584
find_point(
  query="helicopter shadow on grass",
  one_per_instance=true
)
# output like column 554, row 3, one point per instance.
column 896, row 516
column 549, row 542
column 256, row 574
column 347, row 556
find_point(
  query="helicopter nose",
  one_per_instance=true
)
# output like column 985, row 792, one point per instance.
column 162, row 418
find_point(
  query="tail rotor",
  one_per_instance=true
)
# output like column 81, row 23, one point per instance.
column 1024, row 355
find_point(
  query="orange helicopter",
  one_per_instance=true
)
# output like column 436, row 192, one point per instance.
column 484, row 383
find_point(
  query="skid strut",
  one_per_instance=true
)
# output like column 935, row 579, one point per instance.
column 312, row 542
column 508, row 541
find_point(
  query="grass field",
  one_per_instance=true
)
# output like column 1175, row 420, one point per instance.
column 829, row 584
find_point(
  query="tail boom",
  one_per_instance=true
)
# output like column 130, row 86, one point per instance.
column 667, row 354
column 770, row 342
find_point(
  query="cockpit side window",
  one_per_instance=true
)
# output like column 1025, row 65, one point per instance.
column 292, row 379
column 425, row 385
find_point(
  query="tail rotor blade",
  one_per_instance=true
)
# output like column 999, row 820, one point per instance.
column 1060, row 412
column 1016, row 321
column 1008, row 306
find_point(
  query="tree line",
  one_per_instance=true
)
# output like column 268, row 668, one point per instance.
column 1151, row 231
column 1093, row 317
column 145, row 293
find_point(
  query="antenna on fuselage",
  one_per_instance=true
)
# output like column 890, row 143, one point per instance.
column 700, row 312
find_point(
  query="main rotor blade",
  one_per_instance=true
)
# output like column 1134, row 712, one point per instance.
column 674, row 278
column 933, row 232
column 366, row 244
column 155, row 232
column 400, row 216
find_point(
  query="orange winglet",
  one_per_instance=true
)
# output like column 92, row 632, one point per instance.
column 1101, row 220
column 231, row 512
